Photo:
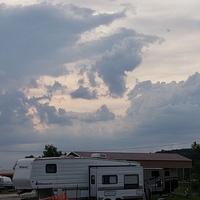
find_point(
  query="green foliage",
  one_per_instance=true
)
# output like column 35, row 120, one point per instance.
column 30, row 156
column 196, row 146
column 196, row 170
column 51, row 151
column 192, row 153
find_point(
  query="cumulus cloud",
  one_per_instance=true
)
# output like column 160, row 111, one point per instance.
column 163, row 110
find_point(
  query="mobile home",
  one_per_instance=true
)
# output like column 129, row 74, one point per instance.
column 80, row 178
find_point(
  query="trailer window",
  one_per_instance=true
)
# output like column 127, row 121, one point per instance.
column 109, row 179
column 51, row 168
column 131, row 181
column 92, row 179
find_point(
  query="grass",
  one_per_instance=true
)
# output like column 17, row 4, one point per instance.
column 7, row 191
column 176, row 197
column 179, row 193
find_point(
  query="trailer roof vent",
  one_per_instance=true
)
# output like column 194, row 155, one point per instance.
column 99, row 155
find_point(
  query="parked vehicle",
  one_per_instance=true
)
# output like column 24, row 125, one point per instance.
column 6, row 183
column 80, row 178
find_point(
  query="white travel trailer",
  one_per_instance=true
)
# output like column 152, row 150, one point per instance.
column 80, row 178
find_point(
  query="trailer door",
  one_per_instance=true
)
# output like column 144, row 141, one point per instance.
column 93, row 181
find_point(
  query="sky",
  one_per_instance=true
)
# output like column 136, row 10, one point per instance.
column 109, row 75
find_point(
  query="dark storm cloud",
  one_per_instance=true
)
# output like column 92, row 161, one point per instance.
column 84, row 93
column 36, row 38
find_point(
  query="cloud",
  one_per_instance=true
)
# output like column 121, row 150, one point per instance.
column 13, row 108
column 162, row 110
column 49, row 115
column 46, row 51
column 159, row 113
column 124, row 56
column 39, row 39
column 84, row 93
column 102, row 114
column 56, row 87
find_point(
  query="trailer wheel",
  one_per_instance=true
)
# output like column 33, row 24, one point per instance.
column 118, row 199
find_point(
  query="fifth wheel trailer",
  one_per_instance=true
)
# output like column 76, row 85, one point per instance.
column 80, row 178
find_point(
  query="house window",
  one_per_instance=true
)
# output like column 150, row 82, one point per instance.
column 131, row 181
column 109, row 179
column 51, row 168
column 167, row 173
column 155, row 173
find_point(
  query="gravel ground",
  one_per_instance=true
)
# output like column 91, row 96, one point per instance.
column 15, row 196
column 10, row 196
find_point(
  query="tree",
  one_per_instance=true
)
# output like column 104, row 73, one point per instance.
column 196, row 146
column 51, row 151
column 31, row 156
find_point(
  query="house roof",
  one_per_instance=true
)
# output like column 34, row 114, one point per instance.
column 163, row 160
column 4, row 172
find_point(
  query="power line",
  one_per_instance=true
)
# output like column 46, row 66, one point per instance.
column 116, row 149
column 17, row 151
column 142, row 147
